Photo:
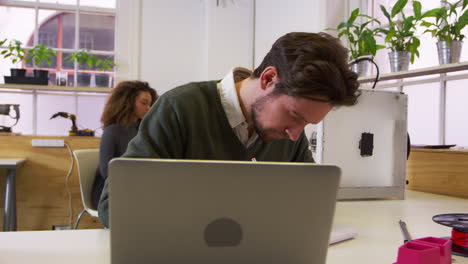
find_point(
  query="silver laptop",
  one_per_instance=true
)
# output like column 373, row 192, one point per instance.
column 218, row 212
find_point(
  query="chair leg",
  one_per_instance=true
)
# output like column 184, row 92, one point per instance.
column 78, row 219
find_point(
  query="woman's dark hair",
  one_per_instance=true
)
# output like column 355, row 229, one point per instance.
column 312, row 65
column 120, row 108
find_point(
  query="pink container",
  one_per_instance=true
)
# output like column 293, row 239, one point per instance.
column 444, row 245
column 427, row 250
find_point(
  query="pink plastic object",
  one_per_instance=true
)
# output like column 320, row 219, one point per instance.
column 427, row 250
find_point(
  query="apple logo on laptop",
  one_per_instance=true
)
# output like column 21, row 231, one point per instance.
column 223, row 232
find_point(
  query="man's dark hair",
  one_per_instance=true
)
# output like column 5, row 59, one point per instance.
column 312, row 65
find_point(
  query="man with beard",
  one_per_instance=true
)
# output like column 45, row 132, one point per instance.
column 257, row 115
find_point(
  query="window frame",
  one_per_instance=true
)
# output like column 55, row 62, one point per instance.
column 77, row 10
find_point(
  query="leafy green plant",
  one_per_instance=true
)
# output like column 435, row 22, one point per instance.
column 400, row 35
column 14, row 51
column 83, row 57
column 448, row 25
column 360, row 37
column 39, row 54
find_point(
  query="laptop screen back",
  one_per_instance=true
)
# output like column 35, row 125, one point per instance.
column 173, row 211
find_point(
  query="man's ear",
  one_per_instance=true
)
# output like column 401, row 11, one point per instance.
column 269, row 78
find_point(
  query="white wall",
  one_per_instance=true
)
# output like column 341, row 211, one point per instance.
column 274, row 18
column 229, row 36
column 169, row 43
column 188, row 40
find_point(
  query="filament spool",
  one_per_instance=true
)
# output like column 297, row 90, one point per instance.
column 459, row 225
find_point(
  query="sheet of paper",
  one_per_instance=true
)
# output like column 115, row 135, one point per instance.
column 339, row 234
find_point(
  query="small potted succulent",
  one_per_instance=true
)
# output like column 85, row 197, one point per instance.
column 40, row 54
column 400, row 34
column 361, row 39
column 91, row 61
column 14, row 52
column 447, row 29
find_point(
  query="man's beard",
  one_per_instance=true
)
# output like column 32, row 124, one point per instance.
column 263, row 133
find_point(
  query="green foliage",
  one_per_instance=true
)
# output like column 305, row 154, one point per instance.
column 83, row 57
column 400, row 34
column 448, row 24
column 14, row 51
column 360, row 37
column 39, row 54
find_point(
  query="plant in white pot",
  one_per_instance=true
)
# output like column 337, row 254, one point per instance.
column 400, row 34
column 15, row 53
column 361, row 39
column 447, row 30
column 40, row 54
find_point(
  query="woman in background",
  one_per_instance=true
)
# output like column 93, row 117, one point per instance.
column 126, row 107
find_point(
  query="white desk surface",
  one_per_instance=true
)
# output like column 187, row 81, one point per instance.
column 376, row 221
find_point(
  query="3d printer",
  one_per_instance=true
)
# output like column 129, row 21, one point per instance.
column 5, row 109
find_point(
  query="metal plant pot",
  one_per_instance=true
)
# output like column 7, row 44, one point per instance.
column 360, row 67
column 449, row 52
column 399, row 60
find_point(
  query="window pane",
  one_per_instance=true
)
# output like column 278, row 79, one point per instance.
column 100, row 3
column 24, row 125
column 97, row 32
column 66, row 2
column 89, row 117
column 426, row 4
column 423, row 98
column 457, row 112
column 48, row 29
column 68, row 26
column 10, row 29
column 66, row 64
column 45, row 110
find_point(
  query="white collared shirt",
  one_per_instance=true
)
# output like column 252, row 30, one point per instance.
column 230, row 101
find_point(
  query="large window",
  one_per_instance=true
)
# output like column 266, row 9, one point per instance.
column 55, row 26
column 425, row 100
column 66, row 26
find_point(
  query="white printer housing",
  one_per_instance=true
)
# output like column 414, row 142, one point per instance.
column 379, row 119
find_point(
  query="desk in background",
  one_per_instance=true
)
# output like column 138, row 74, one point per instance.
column 9, row 216
column 439, row 171
column 42, row 199
column 376, row 221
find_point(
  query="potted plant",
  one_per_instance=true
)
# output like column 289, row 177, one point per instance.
column 400, row 34
column 15, row 52
column 447, row 29
column 40, row 54
column 360, row 38
column 91, row 61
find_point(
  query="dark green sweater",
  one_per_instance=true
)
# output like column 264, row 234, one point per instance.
column 189, row 122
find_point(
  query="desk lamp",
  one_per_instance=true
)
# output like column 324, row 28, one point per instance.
column 5, row 109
